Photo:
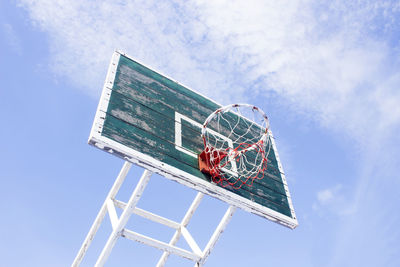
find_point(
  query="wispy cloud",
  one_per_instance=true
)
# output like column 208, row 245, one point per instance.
column 333, row 200
column 326, row 195
column 164, row 35
column 328, row 60
column 337, row 62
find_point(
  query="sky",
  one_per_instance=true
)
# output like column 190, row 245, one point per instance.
column 327, row 73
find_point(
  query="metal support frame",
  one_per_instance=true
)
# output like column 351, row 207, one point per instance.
column 118, row 225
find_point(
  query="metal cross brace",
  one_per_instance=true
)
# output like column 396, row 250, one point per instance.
column 118, row 225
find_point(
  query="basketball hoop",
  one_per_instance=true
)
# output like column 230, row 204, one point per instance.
column 236, row 145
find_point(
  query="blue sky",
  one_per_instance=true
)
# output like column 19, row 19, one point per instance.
column 327, row 74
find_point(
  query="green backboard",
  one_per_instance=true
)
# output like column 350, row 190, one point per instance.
column 150, row 120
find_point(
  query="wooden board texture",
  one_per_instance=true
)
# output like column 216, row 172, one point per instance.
column 142, row 114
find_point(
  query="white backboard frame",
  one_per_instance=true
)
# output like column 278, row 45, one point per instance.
column 173, row 173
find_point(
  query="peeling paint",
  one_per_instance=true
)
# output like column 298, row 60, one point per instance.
column 153, row 148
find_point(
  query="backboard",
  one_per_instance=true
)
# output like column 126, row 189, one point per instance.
column 148, row 119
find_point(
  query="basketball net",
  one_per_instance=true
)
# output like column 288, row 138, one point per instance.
column 236, row 145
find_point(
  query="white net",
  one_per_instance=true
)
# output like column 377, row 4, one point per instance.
column 236, row 145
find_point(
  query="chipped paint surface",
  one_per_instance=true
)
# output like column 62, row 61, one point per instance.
column 136, row 121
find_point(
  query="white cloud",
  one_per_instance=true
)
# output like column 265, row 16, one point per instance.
column 333, row 200
column 164, row 35
column 325, row 196
column 326, row 60
column 334, row 62
column 337, row 62
column 331, row 66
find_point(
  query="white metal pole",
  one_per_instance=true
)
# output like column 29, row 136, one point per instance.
column 133, row 200
column 184, row 223
column 100, row 216
column 217, row 233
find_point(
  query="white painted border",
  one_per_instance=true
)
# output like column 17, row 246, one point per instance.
column 178, row 133
column 102, row 107
column 178, row 140
column 289, row 198
column 171, row 172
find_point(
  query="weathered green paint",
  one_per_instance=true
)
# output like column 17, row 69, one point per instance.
column 158, row 116
column 159, row 125
column 165, row 151
column 141, row 116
